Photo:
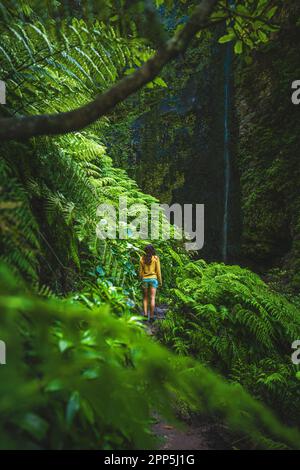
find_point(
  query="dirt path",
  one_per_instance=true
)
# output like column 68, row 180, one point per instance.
column 200, row 436
column 204, row 436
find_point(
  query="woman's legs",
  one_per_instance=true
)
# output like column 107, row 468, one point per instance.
column 152, row 301
column 145, row 301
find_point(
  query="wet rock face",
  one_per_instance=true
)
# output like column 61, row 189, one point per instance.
column 268, row 156
column 179, row 145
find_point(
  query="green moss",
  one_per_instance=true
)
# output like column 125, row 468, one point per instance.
column 268, row 154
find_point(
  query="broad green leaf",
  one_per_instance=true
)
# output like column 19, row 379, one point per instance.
column 54, row 386
column 226, row 38
column 160, row 81
column 35, row 425
column 271, row 12
column 64, row 344
column 262, row 36
column 73, row 407
column 238, row 47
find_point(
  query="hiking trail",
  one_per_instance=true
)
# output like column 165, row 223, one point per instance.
column 204, row 435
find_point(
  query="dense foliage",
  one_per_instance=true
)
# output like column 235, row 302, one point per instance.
column 81, row 372
column 268, row 150
column 228, row 318
column 80, row 378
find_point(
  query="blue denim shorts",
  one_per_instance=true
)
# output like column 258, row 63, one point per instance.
column 151, row 282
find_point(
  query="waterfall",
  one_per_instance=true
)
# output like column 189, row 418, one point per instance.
column 227, row 172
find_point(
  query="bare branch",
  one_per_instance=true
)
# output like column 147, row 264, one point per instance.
column 24, row 127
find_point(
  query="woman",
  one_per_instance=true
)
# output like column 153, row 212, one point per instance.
column 151, row 276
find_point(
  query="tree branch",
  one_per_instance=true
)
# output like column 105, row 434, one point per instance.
column 24, row 127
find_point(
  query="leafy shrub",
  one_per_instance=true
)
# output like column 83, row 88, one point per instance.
column 81, row 378
column 227, row 317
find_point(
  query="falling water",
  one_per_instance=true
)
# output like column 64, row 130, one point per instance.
column 227, row 74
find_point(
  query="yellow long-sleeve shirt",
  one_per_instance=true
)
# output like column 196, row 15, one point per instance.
column 152, row 270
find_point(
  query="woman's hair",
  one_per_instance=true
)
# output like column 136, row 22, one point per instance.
column 149, row 252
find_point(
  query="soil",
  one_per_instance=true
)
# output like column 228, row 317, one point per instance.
column 192, row 436
column 203, row 436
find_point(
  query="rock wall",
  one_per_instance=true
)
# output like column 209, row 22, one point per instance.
column 175, row 141
column 269, row 151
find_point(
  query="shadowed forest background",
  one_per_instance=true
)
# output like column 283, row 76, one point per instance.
column 216, row 126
